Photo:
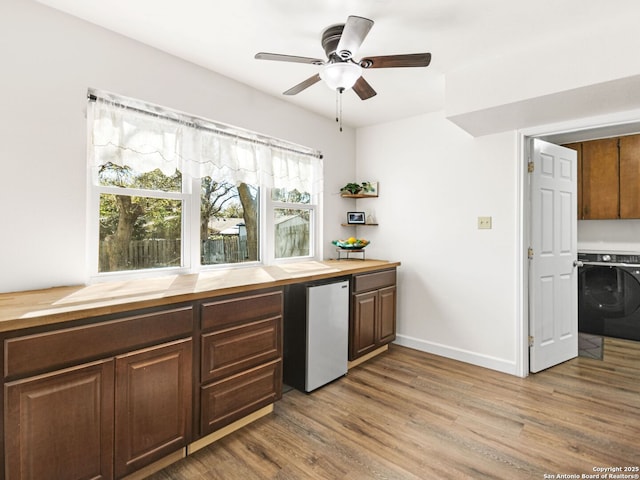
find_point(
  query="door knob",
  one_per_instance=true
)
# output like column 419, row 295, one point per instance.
column 578, row 263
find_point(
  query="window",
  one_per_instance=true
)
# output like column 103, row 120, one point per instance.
column 178, row 193
column 292, row 215
column 140, row 219
column 229, row 223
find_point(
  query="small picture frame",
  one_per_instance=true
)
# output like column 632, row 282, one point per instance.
column 355, row 218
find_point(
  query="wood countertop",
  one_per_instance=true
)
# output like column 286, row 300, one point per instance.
column 60, row 304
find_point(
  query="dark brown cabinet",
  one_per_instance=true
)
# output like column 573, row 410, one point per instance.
column 608, row 178
column 241, row 359
column 234, row 397
column 600, row 174
column 578, row 148
column 127, row 393
column 373, row 312
column 99, row 400
column 153, row 404
column 60, row 424
column 630, row 176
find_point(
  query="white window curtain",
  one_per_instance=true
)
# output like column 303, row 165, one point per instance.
column 146, row 137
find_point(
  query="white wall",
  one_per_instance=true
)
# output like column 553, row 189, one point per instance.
column 593, row 71
column 609, row 235
column 49, row 59
column 457, row 284
column 548, row 65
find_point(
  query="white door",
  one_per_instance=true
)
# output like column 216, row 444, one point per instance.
column 553, row 276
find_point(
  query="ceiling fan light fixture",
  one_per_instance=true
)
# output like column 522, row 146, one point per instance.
column 340, row 75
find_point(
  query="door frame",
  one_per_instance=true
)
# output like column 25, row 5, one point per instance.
column 581, row 129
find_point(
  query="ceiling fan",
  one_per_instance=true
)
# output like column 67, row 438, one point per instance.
column 340, row 71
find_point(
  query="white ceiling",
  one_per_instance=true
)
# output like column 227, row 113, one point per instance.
column 224, row 36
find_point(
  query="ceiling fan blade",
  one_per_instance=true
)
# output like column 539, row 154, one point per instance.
column 392, row 61
column 353, row 34
column 288, row 58
column 363, row 89
column 302, row 85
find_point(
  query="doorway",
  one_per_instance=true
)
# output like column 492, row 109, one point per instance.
column 624, row 123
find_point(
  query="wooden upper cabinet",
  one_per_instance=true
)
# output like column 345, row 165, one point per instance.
column 630, row 176
column 578, row 148
column 600, row 175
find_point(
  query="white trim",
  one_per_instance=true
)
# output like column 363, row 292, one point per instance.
column 191, row 224
column 467, row 356
column 92, row 205
column 522, row 261
column 265, row 228
column 601, row 121
column 141, row 192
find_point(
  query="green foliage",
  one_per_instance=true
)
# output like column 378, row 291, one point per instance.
column 124, row 176
column 351, row 188
column 234, row 210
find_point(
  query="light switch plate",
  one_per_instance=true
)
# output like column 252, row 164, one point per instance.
column 484, row 223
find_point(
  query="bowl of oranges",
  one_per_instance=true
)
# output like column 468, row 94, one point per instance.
column 351, row 243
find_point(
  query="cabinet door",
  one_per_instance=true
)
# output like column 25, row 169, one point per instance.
column 363, row 332
column 600, row 175
column 387, row 318
column 60, row 425
column 630, row 176
column 153, row 404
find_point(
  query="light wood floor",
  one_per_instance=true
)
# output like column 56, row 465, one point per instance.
column 411, row 415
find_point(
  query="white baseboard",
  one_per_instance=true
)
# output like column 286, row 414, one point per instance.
column 486, row 361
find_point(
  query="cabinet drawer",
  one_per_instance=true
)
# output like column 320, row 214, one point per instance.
column 239, row 348
column 51, row 350
column 230, row 399
column 372, row 281
column 226, row 312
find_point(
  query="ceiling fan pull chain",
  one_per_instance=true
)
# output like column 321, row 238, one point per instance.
column 339, row 107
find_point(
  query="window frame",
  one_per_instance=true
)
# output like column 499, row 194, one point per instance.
column 190, row 225
column 95, row 190
column 270, row 208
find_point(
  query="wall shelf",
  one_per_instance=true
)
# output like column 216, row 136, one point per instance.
column 357, row 195
column 372, row 192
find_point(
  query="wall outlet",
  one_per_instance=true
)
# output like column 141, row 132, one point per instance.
column 484, row 223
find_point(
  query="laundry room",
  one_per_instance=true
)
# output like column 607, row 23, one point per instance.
column 608, row 237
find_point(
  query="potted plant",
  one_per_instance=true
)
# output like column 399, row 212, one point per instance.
column 351, row 189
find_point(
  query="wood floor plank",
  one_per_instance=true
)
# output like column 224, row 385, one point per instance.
column 410, row 415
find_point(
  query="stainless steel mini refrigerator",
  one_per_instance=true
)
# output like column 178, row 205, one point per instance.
column 316, row 333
